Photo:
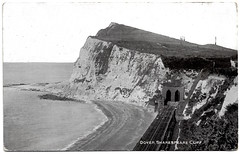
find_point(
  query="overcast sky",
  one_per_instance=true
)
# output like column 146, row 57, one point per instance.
column 55, row 32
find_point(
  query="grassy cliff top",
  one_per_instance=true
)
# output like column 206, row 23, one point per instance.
column 148, row 42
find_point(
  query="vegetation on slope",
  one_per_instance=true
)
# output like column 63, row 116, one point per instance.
column 215, row 133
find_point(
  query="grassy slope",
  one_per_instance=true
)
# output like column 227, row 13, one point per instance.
column 215, row 133
column 148, row 42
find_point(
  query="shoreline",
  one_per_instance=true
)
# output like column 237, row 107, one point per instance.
column 55, row 97
column 98, row 129
column 125, row 126
column 121, row 128
column 71, row 145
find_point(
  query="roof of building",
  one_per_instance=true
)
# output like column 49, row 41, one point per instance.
column 173, row 83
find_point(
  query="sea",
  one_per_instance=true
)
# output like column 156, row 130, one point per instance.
column 34, row 124
column 16, row 73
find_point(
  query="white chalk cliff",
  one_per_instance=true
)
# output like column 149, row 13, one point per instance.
column 107, row 71
column 127, row 64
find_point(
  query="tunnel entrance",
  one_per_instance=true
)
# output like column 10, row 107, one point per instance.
column 177, row 96
column 172, row 91
column 168, row 97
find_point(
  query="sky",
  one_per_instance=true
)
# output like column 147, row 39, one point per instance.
column 55, row 32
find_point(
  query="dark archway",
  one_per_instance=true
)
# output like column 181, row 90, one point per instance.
column 168, row 97
column 177, row 96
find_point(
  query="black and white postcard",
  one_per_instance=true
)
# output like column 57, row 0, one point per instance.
column 120, row 76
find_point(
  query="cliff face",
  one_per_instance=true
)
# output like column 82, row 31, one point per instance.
column 107, row 71
column 128, row 64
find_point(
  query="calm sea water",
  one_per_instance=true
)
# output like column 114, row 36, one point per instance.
column 31, row 124
column 36, row 72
